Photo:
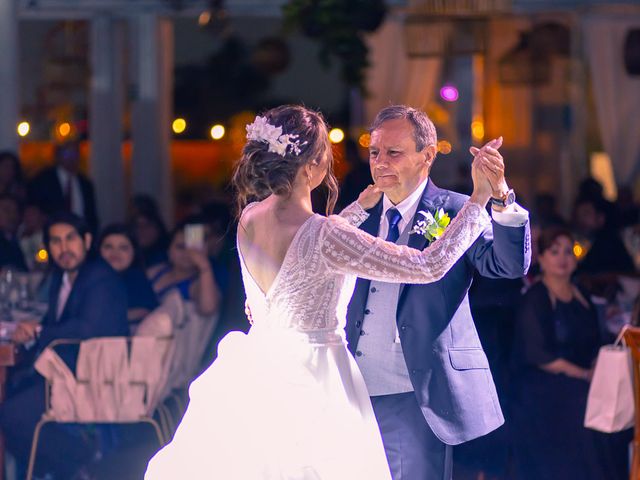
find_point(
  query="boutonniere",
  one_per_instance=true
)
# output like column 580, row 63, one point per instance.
column 431, row 226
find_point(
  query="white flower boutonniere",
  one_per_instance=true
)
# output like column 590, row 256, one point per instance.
column 431, row 226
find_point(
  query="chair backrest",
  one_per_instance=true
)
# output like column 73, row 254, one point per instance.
column 101, row 381
column 155, row 346
column 191, row 340
column 200, row 330
column 117, row 379
column 632, row 339
column 165, row 319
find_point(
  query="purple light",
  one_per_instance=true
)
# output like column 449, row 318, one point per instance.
column 449, row 93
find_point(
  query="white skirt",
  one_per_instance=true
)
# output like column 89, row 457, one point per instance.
column 273, row 406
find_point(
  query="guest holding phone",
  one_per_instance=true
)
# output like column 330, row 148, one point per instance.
column 188, row 269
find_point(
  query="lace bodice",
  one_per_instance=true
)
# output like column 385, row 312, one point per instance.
column 313, row 287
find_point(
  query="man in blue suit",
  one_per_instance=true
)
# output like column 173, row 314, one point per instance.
column 87, row 299
column 416, row 345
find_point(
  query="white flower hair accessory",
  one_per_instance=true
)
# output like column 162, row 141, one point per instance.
column 262, row 131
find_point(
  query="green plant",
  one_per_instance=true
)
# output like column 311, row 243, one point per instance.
column 339, row 26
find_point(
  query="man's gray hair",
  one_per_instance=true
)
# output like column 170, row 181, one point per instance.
column 424, row 131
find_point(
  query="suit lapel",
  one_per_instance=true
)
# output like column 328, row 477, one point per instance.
column 59, row 188
column 54, row 294
column 73, row 293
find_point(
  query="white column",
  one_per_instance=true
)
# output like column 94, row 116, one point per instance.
column 105, row 117
column 10, row 97
column 152, row 108
column 574, row 162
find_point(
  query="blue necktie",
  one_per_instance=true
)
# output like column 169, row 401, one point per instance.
column 394, row 217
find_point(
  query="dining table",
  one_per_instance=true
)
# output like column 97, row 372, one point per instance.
column 11, row 353
column 9, row 356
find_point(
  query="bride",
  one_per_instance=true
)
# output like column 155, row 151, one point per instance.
column 286, row 401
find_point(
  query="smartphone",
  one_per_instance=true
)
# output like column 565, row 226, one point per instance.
column 194, row 236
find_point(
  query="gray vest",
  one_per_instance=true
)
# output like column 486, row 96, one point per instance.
column 379, row 353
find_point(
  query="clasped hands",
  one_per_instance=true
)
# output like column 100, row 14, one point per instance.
column 487, row 170
column 26, row 332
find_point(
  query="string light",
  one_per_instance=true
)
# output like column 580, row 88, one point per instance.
column 217, row 132
column 204, row 18
column 449, row 93
column 336, row 135
column 23, row 129
column 477, row 130
column 179, row 125
column 64, row 129
column 42, row 256
column 444, row 147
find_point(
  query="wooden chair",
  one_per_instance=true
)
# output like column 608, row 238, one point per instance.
column 632, row 339
column 139, row 395
column 50, row 417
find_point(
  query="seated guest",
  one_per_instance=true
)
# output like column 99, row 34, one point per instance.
column 220, row 240
column 31, row 233
column 607, row 253
column 87, row 299
column 556, row 342
column 188, row 271
column 142, row 203
column 546, row 212
column 11, row 255
column 151, row 235
column 118, row 247
column 11, row 179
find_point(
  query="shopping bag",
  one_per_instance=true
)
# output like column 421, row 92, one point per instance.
column 610, row 405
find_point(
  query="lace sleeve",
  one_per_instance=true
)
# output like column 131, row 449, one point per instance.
column 348, row 250
column 354, row 214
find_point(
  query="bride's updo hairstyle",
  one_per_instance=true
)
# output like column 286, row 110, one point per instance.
column 263, row 170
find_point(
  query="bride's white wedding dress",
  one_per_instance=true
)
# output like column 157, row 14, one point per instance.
column 286, row 401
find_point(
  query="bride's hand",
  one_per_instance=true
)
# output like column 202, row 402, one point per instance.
column 247, row 311
column 481, row 186
column 369, row 197
column 494, row 164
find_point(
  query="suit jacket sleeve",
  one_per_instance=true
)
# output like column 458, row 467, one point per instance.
column 101, row 312
column 502, row 252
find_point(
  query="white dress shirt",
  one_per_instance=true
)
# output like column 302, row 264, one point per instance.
column 63, row 295
column 77, row 202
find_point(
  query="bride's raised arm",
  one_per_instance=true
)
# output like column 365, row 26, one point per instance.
column 348, row 250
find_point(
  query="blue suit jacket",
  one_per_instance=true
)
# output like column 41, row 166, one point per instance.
column 96, row 307
column 447, row 366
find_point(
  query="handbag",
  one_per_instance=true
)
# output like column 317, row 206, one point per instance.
column 610, row 404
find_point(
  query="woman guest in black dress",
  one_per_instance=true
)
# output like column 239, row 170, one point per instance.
column 118, row 247
column 556, row 343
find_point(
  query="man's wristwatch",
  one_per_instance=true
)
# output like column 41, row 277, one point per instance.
column 505, row 200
